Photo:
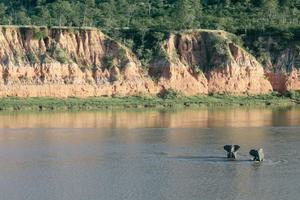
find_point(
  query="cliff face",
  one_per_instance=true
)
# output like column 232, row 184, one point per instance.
column 61, row 63
column 283, row 69
column 177, row 75
column 204, row 62
column 37, row 62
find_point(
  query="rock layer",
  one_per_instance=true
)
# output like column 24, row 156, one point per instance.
column 283, row 70
column 64, row 62
column 61, row 63
column 202, row 62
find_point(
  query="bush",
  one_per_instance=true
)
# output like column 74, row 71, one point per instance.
column 197, row 69
column 39, row 34
column 236, row 40
column 147, row 57
column 293, row 95
column 61, row 56
column 122, row 54
column 220, row 50
column 220, row 45
column 129, row 43
column 171, row 94
column 108, row 61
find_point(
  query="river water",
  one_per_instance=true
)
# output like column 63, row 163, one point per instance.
column 149, row 155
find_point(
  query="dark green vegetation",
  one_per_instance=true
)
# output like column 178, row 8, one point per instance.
column 230, row 15
column 143, row 24
column 170, row 99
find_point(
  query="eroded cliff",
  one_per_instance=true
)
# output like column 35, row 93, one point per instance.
column 64, row 62
column 36, row 61
column 283, row 69
column 204, row 61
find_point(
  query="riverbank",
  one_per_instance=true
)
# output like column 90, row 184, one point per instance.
column 171, row 100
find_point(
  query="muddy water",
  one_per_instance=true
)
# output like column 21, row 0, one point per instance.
column 149, row 155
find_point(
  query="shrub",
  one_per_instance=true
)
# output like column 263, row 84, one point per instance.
column 197, row 69
column 146, row 58
column 264, row 57
column 220, row 49
column 293, row 95
column 236, row 40
column 108, row 61
column 220, row 45
column 122, row 54
column 39, row 34
column 171, row 94
column 129, row 43
column 60, row 55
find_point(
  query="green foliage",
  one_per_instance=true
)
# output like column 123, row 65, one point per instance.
column 145, row 55
column 297, row 46
column 268, row 45
column 156, row 14
column 142, row 101
column 3, row 9
column 219, row 43
column 146, row 44
column 197, row 69
column 264, row 57
column 39, row 34
column 31, row 58
column 236, row 39
column 187, row 13
column 143, row 25
column 61, row 56
column 129, row 43
column 122, row 54
column 108, row 61
column 293, row 95
column 21, row 17
column 171, row 94
column 220, row 46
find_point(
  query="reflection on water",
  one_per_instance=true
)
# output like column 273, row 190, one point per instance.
column 149, row 155
column 230, row 117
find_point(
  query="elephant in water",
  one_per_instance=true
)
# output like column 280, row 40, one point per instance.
column 258, row 155
column 231, row 151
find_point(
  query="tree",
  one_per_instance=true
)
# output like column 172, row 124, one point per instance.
column 286, row 3
column 42, row 15
column 108, row 13
column 88, row 10
column 2, row 13
column 21, row 17
column 187, row 12
column 269, row 5
column 61, row 11
column 268, row 8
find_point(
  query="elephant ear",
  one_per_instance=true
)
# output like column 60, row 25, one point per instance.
column 253, row 153
column 236, row 148
column 227, row 148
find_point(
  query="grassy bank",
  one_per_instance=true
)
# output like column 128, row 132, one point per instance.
column 170, row 100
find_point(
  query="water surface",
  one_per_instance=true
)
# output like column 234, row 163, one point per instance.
column 149, row 155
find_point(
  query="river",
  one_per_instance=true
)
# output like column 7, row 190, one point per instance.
column 149, row 155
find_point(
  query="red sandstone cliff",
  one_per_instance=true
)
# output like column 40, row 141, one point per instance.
column 37, row 61
column 201, row 62
column 61, row 63
column 283, row 70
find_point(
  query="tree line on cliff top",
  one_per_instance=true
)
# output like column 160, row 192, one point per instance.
column 143, row 24
column 230, row 15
